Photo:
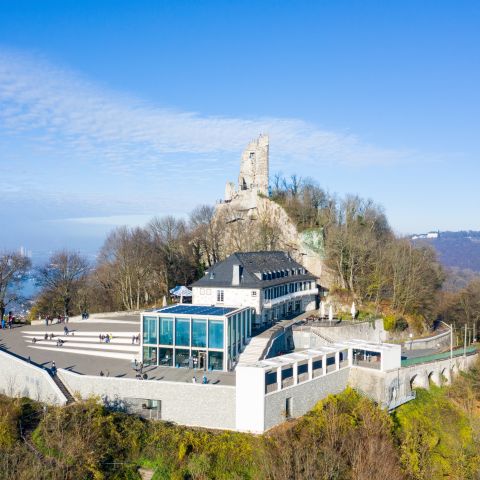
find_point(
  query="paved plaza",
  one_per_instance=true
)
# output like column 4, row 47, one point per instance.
column 83, row 352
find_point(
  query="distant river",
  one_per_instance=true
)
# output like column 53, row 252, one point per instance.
column 28, row 289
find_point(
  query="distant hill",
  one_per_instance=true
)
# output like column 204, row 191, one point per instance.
column 458, row 250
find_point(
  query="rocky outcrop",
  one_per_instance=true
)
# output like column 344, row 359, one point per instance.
column 250, row 221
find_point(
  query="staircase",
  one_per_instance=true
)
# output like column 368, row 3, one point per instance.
column 254, row 350
column 63, row 389
column 321, row 335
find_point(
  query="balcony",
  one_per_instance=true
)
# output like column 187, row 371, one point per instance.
column 290, row 296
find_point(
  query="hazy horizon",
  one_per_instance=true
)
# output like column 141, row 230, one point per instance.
column 110, row 115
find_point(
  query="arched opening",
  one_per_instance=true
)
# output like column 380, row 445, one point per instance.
column 414, row 382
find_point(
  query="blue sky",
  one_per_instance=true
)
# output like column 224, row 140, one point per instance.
column 114, row 111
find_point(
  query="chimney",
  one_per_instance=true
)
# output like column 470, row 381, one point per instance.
column 236, row 275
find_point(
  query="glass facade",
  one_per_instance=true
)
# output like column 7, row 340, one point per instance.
column 181, row 357
column 199, row 333
column 150, row 330
column 165, row 357
column 215, row 361
column 166, row 331
column 182, row 332
column 149, row 356
column 185, row 341
column 215, row 333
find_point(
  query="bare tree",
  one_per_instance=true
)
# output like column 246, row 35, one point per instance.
column 206, row 234
column 13, row 270
column 64, row 273
column 125, row 264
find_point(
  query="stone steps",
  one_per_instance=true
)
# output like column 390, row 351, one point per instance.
column 254, row 350
column 94, row 353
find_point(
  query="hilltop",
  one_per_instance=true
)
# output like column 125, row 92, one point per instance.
column 458, row 250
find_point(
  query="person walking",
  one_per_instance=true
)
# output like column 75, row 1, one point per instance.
column 54, row 368
column 204, row 378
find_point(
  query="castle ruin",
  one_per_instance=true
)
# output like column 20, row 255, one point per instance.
column 253, row 177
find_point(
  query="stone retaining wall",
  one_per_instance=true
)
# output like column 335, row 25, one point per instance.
column 19, row 378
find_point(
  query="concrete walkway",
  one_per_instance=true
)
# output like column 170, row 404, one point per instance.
column 258, row 345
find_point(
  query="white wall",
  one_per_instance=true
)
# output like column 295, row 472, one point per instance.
column 18, row 378
column 209, row 406
column 250, row 399
column 391, row 358
column 233, row 297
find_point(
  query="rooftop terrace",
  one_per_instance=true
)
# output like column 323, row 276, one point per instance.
column 186, row 309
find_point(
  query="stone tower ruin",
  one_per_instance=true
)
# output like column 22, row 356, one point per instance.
column 254, row 166
column 253, row 177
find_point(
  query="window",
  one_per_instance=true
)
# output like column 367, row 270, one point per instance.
column 165, row 356
column 220, row 295
column 181, row 357
column 166, row 331
column 288, row 407
column 254, row 293
column 215, row 334
column 149, row 329
column 215, row 360
column 182, row 332
column 149, row 356
column 199, row 333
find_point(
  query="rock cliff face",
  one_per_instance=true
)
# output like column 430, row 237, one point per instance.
column 250, row 221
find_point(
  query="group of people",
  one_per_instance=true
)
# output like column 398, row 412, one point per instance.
column 60, row 319
column 105, row 338
column 7, row 320
column 204, row 379
column 136, row 339
column 85, row 315
column 51, row 336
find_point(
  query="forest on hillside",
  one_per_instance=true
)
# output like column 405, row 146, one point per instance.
column 344, row 437
column 384, row 274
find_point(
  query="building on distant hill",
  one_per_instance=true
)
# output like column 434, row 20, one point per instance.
column 429, row 235
column 272, row 283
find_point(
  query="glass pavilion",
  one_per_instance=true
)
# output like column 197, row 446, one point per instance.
column 183, row 335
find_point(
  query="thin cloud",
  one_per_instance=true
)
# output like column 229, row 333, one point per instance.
column 66, row 112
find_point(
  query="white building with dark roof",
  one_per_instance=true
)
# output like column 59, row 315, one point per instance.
column 274, row 285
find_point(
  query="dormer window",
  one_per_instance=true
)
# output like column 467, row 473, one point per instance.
column 212, row 275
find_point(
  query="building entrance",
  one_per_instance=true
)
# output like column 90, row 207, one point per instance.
column 199, row 359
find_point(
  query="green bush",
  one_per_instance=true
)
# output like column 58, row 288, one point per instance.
column 389, row 322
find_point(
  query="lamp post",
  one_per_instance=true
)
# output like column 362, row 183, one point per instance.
column 451, row 338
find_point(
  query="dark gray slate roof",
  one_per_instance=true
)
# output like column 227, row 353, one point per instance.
column 221, row 274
